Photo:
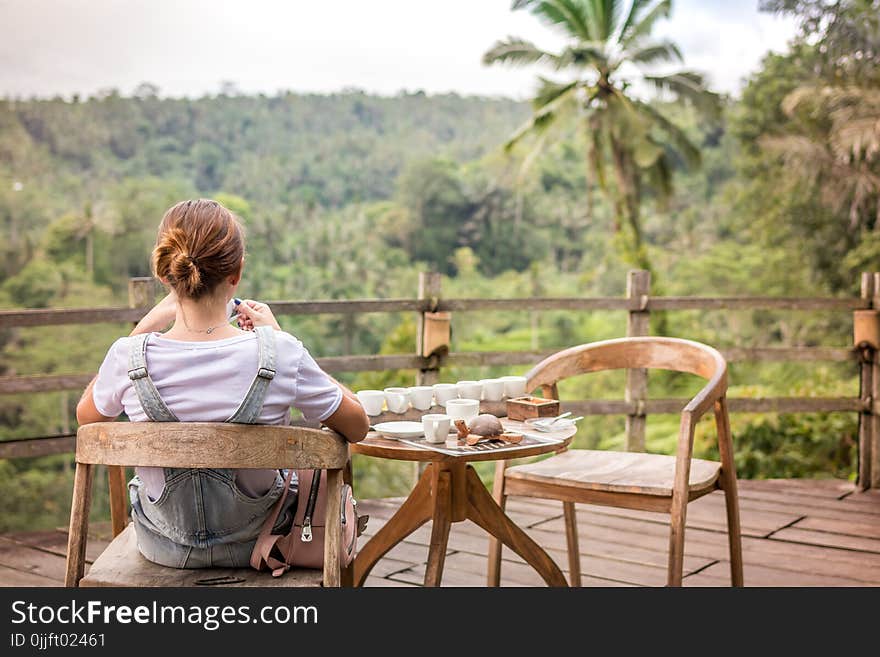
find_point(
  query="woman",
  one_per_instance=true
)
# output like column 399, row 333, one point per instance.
column 204, row 369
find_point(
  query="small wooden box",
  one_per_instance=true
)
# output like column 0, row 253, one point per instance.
column 524, row 408
column 866, row 328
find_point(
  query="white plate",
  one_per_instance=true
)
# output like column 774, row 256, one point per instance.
column 395, row 430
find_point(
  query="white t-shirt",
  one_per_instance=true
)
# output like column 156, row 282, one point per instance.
column 206, row 382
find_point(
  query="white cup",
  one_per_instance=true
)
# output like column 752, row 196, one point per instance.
column 493, row 389
column 397, row 399
column 463, row 409
column 371, row 400
column 443, row 392
column 514, row 386
column 436, row 426
column 421, row 397
column 470, row 389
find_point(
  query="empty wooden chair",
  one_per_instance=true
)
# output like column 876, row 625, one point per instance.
column 195, row 445
column 650, row 482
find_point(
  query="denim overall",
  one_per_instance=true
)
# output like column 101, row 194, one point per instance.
column 202, row 519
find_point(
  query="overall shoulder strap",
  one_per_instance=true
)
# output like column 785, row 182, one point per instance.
column 151, row 402
column 249, row 409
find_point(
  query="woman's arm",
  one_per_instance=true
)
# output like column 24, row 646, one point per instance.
column 158, row 318
column 349, row 419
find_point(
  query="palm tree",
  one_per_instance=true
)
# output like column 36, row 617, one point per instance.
column 838, row 154
column 609, row 51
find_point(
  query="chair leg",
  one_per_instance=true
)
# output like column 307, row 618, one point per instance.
column 494, row 571
column 79, row 524
column 676, row 540
column 571, row 536
column 734, row 537
column 728, row 484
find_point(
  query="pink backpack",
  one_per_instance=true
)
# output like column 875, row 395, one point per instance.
column 303, row 546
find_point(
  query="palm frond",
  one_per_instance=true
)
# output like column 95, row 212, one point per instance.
column 689, row 86
column 585, row 53
column 544, row 118
column 679, row 141
column 644, row 25
column 660, row 178
column 517, row 52
column 635, row 12
column 568, row 16
column 601, row 17
column 665, row 51
column 549, row 91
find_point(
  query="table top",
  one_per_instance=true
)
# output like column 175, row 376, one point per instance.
column 375, row 445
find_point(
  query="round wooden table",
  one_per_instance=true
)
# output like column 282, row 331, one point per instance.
column 450, row 491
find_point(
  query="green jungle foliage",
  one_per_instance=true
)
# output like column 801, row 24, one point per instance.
column 351, row 195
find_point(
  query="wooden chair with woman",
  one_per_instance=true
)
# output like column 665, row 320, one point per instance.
column 649, row 482
column 197, row 445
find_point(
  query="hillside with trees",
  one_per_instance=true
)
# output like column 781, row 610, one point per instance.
column 774, row 192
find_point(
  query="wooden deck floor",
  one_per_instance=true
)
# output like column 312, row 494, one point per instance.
column 795, row 533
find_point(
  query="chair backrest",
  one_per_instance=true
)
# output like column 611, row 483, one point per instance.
column 209, row 445
column 631, row 353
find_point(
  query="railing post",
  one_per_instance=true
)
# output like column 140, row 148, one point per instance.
column 868, row 425
column 874, row 429
column 638, row 287
column 429, row 288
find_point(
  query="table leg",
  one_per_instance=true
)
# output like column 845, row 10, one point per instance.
column 412, row 514
column 485, row 512
column 440, row 522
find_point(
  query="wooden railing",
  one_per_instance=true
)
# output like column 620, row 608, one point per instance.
column 638, row 304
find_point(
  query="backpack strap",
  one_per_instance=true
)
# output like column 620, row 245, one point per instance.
column 262, row 553
column 147, row 394
column 252, row 404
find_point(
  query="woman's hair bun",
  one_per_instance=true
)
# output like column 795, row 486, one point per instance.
column 199, row 244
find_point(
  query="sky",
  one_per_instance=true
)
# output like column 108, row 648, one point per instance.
column 190, row 47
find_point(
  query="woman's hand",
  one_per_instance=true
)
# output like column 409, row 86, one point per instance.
column 160, row 317
column 253, row 313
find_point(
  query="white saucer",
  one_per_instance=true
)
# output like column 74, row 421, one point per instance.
column 402, row 429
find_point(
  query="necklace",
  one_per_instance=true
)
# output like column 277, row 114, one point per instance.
column 207, row 331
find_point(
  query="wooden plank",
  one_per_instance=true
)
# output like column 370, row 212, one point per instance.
column 834, row 488
column 58, row 316
column 13, row 385
column 209, row 445
column 717, row 574
column 30, row 560
column 756, row 303
column 347, row 306
column 709, row 513
column 373, row 581
column 828, row 539
column 13, row 577
column 490, row 358
column 788, row 354
column 55, row 542
column 535, row 303
column 122, row 565
column 837, row 526
column 30, row 447
column 371, row 363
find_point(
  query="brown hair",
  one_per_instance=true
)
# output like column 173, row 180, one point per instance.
column 199, row 244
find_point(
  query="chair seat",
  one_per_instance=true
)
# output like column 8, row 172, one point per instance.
column 122, row 565
column 616, row 472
